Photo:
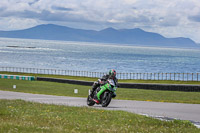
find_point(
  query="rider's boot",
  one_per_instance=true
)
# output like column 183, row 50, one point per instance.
column 94, row 86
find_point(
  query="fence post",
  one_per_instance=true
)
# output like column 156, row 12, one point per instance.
column 178, row 76
column 192, row 76
column 174, row 76
column 130, row 76
column 147, row 76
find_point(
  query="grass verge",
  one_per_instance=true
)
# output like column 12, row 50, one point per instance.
column 94, row 79
column 23, row 117
column 61, row 89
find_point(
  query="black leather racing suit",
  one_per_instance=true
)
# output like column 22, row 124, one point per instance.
column 103, row 81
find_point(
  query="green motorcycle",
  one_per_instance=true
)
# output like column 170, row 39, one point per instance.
column 104, row 93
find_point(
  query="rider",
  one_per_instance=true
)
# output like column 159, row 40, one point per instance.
column 105, row 79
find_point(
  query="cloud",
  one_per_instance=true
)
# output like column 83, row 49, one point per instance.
column 2, row 9
column 17, row 23
column 59, row 8
column 113, row 11
column 195, row 18
column 155, row 15
column 33, row 2
column 169, row 21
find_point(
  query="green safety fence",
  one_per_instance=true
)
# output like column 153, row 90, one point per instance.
column 18, row 77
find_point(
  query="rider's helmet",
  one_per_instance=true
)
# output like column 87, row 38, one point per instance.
column 112, row 73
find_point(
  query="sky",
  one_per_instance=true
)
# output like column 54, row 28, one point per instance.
column 170, row 18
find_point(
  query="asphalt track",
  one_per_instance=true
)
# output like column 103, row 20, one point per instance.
column 159, row 110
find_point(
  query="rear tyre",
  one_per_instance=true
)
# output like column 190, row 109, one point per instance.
column 90, row 102
column 106, row 99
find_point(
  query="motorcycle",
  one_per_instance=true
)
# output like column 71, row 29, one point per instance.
column 105, row 97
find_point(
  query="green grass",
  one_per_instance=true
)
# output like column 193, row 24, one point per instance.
column 61, row 89
column 94, row 79
column 42, row 87
column 161, row 81
column 51, row 76
column 23, row 117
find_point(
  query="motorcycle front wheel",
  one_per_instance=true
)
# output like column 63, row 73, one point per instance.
column 106, row 99
column 90, row 102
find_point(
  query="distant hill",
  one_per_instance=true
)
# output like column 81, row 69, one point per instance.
column 123, row 36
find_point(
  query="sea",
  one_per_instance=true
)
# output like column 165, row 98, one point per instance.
column 97, row 57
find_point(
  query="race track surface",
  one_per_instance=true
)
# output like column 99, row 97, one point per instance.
column 155, row 109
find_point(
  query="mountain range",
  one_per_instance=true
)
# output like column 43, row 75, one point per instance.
column 135, row 36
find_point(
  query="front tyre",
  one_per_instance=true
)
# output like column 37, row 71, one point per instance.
column 90, row 102
column 106, row 99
